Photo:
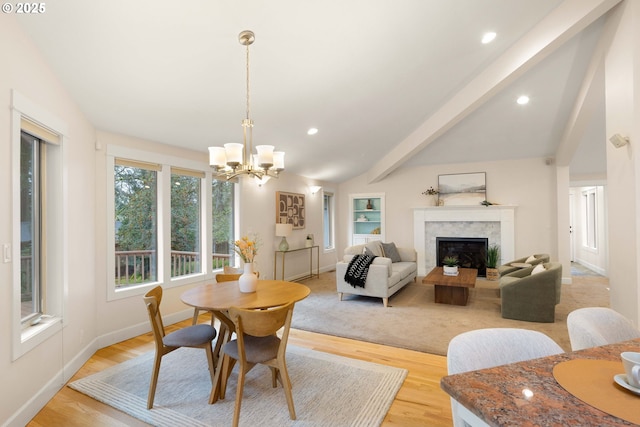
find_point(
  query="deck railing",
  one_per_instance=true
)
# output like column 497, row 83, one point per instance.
column 138, row 266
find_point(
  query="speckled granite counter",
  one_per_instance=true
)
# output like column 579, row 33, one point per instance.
column 496, row 395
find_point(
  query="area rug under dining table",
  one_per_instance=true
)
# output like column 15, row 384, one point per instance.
column 328, row 390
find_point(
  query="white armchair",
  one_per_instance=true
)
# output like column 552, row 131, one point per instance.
column 385, row 277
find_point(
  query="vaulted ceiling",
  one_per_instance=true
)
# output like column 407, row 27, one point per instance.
column 387, row 83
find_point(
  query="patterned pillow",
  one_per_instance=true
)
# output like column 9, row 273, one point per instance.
column 390, row 251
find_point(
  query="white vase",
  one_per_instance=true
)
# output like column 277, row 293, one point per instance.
column 432, row 199
column 248, row 281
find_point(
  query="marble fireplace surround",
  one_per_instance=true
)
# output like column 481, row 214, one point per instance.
column 495, row 222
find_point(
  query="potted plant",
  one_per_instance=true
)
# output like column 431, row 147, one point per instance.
column 450, row 267
column 431, row 194
column 493, row 257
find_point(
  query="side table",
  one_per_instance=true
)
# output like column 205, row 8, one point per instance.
column 283, row 254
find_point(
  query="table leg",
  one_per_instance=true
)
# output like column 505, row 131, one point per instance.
column 454, row 295
column 224, row 336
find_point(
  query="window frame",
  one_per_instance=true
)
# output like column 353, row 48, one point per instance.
column 53, row 135
column 590, row 219
column 328, row 246
column 167, row 164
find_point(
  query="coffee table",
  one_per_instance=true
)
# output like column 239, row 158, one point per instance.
column 452, row 289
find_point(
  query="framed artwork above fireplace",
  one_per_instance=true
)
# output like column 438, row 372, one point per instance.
column 468, row 189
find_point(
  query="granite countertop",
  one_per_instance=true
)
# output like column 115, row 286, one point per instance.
column 497, row 395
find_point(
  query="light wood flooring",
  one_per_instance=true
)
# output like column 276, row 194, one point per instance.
column 420, row 401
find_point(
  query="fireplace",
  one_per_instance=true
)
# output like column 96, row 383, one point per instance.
column 497, row 223
column 470, row 251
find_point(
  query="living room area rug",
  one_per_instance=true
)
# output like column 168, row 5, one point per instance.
column 328, row 390
column 414, row 321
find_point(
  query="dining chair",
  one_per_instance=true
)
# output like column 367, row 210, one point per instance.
column 486, row 348
column 198, row 336
column 596, row 326
column 257, row 343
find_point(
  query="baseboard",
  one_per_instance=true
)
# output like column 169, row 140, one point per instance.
column 306, row 275
column 601, row 271
column 39, row 400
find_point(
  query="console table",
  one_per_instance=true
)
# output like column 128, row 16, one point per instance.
column 283, row 255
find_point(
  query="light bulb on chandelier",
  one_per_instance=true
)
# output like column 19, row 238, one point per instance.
column 237, row 159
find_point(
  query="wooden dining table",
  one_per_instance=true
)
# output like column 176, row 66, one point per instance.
column 568, row 389
column 219, row 297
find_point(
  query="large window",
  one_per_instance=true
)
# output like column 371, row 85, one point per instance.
column 223, row 221
column 328, row 221
column 31, row 200
column 185, row 222
column 37, row 254
column 169, row 222
column 136, row 223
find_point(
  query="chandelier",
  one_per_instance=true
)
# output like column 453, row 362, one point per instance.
column 236, row 159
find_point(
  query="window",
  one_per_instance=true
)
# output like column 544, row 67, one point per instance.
column 31, row 293
column 136, row 223
column 168, row 221
column 590, row 224
column 185, row 222
column 328, row 221
column 223, row 222
column 37, row 250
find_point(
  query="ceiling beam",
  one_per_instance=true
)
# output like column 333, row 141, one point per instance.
column 564, row 22
column 589, row 97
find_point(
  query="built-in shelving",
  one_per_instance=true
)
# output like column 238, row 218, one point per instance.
column 366, row 217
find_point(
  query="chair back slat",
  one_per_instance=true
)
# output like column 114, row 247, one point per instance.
column 222, row 277
column 152, row 300
column 261, row 323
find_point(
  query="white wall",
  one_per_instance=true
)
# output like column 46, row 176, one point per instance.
column 622, row 81
column 36, row 375
column 527, row 183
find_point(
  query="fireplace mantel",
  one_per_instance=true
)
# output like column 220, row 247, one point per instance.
column 503, row 214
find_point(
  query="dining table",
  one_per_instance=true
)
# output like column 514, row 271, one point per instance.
column 217, row 298
column 578, row 388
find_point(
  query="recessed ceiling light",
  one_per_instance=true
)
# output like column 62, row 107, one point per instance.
column 312, row 131
column 488, row 37
column 522, row 100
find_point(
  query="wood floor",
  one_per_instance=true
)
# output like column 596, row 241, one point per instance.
column 419, row 402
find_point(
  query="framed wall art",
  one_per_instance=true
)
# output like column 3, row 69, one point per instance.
column 290, row 209
column 462, row 189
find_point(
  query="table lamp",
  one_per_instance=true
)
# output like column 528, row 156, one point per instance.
column 284, row 230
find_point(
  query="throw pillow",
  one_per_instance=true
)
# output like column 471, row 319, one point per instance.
column 390, row 251
column 374, row 248
column 538, row 269
column 531, row 259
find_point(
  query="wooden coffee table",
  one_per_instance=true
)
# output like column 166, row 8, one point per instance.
column 452, row 289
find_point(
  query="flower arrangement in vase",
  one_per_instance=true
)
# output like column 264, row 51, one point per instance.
column 247, row 248
column 432, row 194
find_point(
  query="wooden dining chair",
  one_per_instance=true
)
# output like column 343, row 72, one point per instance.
column 257, row 343
column 199, row 336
